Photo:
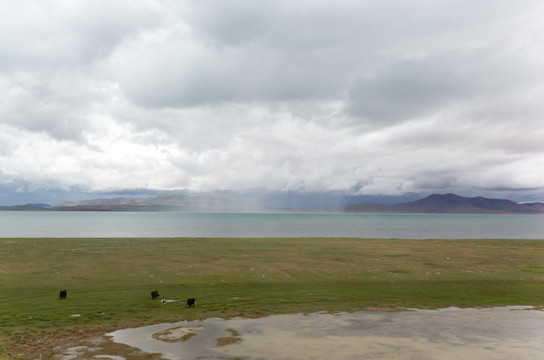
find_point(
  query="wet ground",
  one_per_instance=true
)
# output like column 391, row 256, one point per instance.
column 489, row 333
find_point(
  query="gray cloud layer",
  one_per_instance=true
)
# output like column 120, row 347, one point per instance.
column 366, row 97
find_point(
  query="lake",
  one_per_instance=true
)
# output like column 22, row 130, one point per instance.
column 182, row 224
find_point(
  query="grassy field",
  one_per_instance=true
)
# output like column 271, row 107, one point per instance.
column 109, row 281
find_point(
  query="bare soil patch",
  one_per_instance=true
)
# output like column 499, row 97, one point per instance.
column 177, row 334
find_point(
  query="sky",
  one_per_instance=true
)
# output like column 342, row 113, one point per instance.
column 376, row 98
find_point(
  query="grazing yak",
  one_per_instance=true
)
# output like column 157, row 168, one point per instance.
column 62, row 294
column 154, row 294
column 191, row 302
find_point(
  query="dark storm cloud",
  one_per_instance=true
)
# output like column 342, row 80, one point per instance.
column 419, row 86
column 282, row 51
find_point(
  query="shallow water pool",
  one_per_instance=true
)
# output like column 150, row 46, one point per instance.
column 453, row 333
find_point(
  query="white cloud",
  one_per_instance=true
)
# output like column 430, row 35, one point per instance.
column 372, row 97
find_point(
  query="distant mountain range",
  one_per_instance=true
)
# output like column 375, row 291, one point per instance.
column 451, row 204
column 439, row 204
column 168, row 202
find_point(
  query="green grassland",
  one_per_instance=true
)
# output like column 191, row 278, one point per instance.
column 109, row 281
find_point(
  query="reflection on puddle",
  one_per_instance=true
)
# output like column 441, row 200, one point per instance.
column 489, row 333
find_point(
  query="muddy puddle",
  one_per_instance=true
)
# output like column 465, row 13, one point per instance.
column 453, row 333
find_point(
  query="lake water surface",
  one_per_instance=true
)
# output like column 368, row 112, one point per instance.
column 180, row 224
column 490, row 333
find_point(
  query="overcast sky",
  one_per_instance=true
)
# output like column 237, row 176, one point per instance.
column 364, row 97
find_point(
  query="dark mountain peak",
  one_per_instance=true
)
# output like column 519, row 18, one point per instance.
column 452, row 204
column 434, row 203
column 456, row 204
column 441, row 199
